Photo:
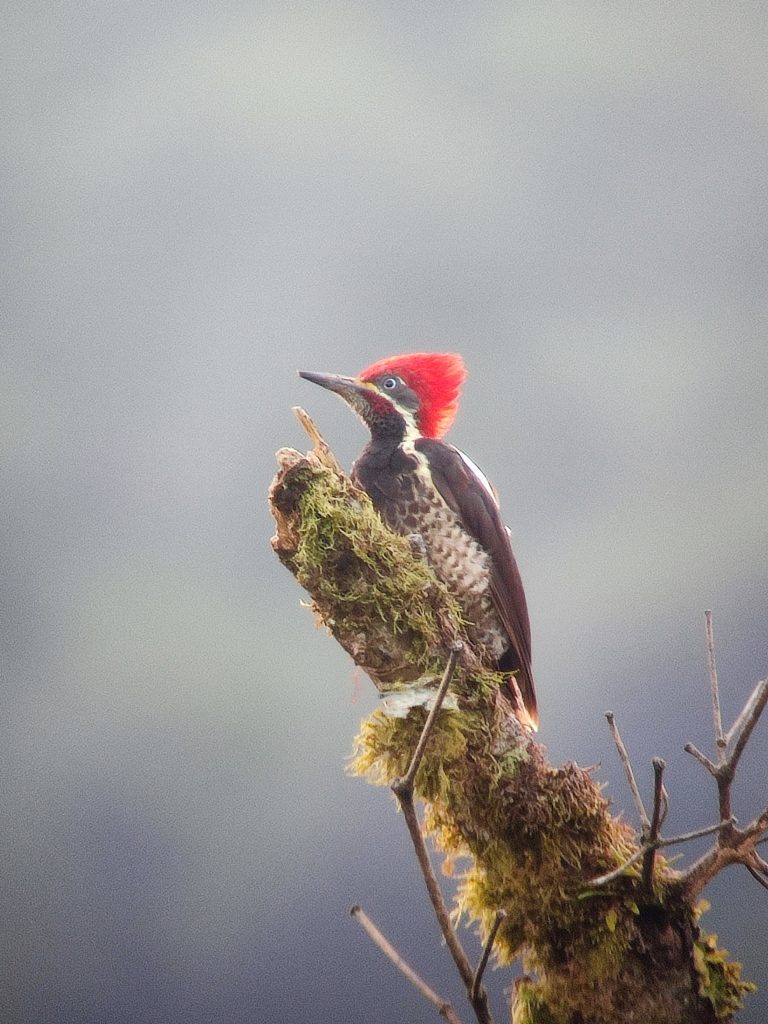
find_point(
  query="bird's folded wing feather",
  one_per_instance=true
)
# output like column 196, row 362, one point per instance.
column 466, row 490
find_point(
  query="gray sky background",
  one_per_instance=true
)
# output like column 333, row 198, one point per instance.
column 197, row 201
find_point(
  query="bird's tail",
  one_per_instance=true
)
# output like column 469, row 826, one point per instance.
column 519, row 688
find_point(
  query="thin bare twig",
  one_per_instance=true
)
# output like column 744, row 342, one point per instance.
column 734, row 845
column 757, row 877
column 756, row 830
column 714, row 688
column 664, row 805
column 746, row 722
column 685, row 837
column 611, row 876
column 624, row 756
column 650, row 827
column 321, row 448
column 652, row 839
column 433, row 889
column 403, row 790
column 694, row 751
column 725, row 771
column 478, row 979
column 660, row 843
column 408, row 779
column 745, row 712
column 758, row 868
column 442, row 1006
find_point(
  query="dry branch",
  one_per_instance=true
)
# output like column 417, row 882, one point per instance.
column 734, row 845
column 442, row 1006
column 403, row 790
column 501, row 915
column 652, row 840
column 627, row 766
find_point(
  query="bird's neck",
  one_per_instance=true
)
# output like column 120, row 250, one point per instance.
column 391, row 449
column 393, row 429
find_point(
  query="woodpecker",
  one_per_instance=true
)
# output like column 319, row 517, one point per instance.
column 420, row 485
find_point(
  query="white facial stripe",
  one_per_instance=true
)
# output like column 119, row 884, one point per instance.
column 411, row 430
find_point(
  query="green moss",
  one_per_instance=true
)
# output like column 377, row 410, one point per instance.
column 529, row 1007
column 385, row 745
column 534, row 834
column 720, row 980
column 358, row 572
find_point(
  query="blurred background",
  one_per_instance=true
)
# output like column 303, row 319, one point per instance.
column 197, row 201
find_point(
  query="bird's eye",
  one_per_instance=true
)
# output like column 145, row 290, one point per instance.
column 390, row 383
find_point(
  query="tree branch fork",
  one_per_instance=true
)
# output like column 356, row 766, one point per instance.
column 732, row 844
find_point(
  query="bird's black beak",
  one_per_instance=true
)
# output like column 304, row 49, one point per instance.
column 344, row 386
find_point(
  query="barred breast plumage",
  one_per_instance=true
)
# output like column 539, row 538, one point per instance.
column 410, row 504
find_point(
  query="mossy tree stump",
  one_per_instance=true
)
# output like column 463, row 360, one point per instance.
column 534, row 834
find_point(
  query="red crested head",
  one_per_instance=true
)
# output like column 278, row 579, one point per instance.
column 434, row 377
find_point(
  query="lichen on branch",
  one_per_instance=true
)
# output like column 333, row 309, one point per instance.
column 533, row 834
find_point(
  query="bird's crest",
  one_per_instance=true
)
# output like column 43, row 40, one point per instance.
column 436, row 377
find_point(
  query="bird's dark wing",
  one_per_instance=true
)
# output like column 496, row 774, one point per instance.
column 468, row 493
